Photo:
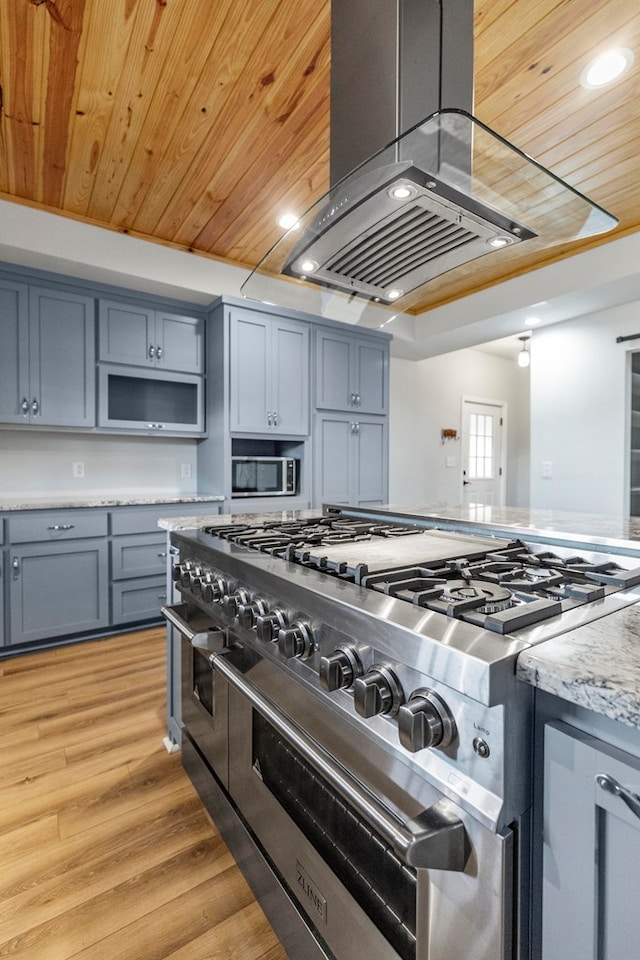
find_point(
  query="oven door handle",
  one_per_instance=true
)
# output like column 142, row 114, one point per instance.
column 436, row 839
column 201, row 639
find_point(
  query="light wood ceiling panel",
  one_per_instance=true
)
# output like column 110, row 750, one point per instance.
column 196, row 123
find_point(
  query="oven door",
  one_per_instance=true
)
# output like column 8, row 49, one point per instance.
column 368, row 880
column 204, row 693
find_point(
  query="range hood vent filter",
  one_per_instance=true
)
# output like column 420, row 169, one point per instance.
column 381, row 247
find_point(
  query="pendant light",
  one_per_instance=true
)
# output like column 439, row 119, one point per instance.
column 524, row 357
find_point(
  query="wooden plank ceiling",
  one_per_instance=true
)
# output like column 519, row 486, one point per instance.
column 196, row 123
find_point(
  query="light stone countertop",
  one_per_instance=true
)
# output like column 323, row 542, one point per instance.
column 596, row 666
column 176, row 524
column 9, row 504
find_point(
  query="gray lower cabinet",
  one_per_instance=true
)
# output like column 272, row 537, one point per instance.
column 47, row 360
column 58, row 573
column 2, row 581
column 591, row 871
column 351, row 459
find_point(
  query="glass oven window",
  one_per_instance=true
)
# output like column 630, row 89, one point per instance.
column 383, row 886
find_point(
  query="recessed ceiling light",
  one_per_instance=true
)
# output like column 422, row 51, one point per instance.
column 532, row 321
column 499, row 241
column 606, row 68
column 288, row 220
column 394, row 294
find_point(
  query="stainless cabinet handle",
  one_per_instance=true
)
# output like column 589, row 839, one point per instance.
column 159, row 352
column 357, row 426
column 15, row 563
column 152, row 351
column 358, row 400
column 611, row 785
column 162, row 555
column 268, row 418
column 352, row 400
column 155, row 426
column 35, row 407
column 435, row 839
column 61, row 526
column 25, row 407
column 275, row 419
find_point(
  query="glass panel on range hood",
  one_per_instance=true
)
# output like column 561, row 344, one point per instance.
column 447, row 192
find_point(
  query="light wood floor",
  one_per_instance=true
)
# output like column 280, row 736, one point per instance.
column 106, row 852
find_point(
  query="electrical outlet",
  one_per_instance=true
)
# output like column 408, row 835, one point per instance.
column 547, row 469
column 78, row 469
column 185, row 471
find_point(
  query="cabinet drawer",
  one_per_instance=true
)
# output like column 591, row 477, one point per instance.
column 139, row 555
column 57, row 525
column 139, row 599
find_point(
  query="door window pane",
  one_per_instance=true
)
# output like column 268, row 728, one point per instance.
column 480, row 465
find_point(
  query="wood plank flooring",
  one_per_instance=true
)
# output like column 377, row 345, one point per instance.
column 106, row 852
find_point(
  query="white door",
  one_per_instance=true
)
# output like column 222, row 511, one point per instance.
column 482, row 473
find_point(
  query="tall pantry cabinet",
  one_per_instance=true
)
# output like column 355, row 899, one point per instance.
column 287, row 384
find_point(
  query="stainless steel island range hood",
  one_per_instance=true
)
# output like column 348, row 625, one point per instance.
column 419, row 185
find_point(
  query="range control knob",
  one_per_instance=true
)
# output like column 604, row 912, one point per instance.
column 378, row 691
column 268, row 625
column 248, row 613
column 213, row 588
column 186, row 567
column 176, row 572
column 195, row 581
column 296, row 640
column 425, row 721
column 233, row 601
column 340, row 669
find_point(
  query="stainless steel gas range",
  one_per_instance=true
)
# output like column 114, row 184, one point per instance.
column 352, row 720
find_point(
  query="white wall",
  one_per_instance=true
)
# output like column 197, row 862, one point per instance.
column 579, row 405
column 425, row 397
column 36, row 464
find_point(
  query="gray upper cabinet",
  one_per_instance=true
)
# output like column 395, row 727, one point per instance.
column 47, row 361
column 141, row 336
column 268, row 375
column 591, row 848
column 352, row 373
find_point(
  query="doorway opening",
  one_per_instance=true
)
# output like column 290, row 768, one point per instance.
column 483, row 467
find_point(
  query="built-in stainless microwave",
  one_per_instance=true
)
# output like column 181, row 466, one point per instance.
column 263, row 476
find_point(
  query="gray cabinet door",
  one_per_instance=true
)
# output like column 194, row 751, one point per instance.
column 371, row 376
column 62, row 358
column 14, row 353
column 591, row 867
column 289, row 372
column 373, row 461
column 57, row 589
column 334, row 459
column 351, row 460
column 126, row 333
column 249, row 382
column 179, row 342
column 352, row 373
column 334, row 390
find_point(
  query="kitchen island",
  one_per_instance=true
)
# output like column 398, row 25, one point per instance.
column 577, row 683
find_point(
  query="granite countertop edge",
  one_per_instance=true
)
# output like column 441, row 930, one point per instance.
column 596, row 666
column 105, row 500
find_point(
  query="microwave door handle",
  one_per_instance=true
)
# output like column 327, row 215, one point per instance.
column 436, row 839
column 208, row 640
